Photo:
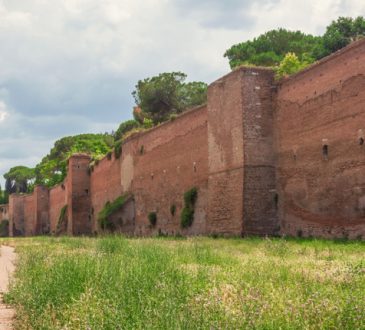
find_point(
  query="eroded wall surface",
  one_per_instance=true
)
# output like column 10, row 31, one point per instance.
column 320, row 126
column 57, row 201
column 105, row 185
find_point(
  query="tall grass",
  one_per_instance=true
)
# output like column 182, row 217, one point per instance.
column 198, row 283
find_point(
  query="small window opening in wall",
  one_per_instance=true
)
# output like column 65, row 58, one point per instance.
column 87, row 191
column 361, row 141
column 194, row 166
column 325, row 151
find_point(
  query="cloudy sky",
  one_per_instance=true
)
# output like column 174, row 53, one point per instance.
column 69, row 66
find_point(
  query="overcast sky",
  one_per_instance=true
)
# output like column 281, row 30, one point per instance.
column 69, row 66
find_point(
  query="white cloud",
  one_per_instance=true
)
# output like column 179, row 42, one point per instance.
column 3, row 111
column 69, row 66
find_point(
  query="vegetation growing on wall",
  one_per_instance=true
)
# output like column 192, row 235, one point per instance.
column 271, row 48
column 4, row 228
column 173, row 209
column 152, row 218
column 109, row 209
column 187, row 213
column 61, row 224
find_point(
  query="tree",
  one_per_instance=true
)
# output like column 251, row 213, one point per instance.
column 4, row 196
column 270, row 48
column 19, row 179
column 53, row 168
column 289, row 65
column 342, row 32
column 125, row 127
column 165, row 94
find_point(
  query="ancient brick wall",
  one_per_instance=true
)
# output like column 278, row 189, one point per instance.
column 105, row 185
column 29, row 215
column 57, row 200
column 320, row 127
column 79, row 196
column 241, row 158
column 16, row 215
column 160, row 165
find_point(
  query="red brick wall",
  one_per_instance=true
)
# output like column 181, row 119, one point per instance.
column 241, row 158
column 319, row 195
column 16, row 215
column 160, row 165
column 105, row 185
column 57, row 200
column 29, row 215
column 79, row 196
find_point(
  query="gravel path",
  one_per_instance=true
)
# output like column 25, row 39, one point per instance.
column 7, row 259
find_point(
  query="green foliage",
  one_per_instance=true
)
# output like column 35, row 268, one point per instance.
column 118, row 149
column 125, row 127
column 4, row 228
column 289, row 65
column 19, row 179
column 152, row 218
column 62, row 219
column 342, row 32
column 147, row 123
column 187, row 213
column 53, row 168
column 109, row 209
column 173, row 209
column 4, row 196
column 270, row 48
column 190, row 197
column 167, row 93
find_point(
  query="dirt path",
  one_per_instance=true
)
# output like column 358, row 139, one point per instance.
column 7, row 259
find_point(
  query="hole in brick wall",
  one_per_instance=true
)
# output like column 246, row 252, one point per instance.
column 92, row 210
column 87, row 191
column 361, row 141
column 325, row 151
column 194, row 166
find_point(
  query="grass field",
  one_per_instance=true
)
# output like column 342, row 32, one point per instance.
column 196, row 283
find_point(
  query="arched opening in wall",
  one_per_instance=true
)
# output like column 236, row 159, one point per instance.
column 361, row 141
column 325, row 151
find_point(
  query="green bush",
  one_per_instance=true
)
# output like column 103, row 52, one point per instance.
column 173, row 209
column 187, row 217
column 187, row 213
column 118, row 149
column 152, row 217
column 4, row 228
column 111, row 208
column 62, row 218
column 190, row 197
